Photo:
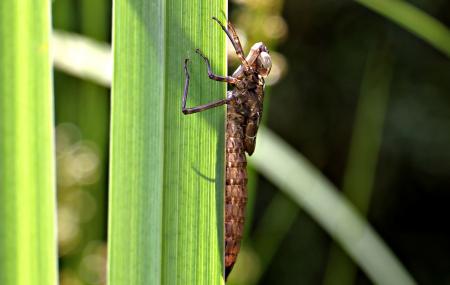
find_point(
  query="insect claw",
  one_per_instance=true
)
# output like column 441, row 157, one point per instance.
column 217, row 20
column 186, row 60
column 200, row 53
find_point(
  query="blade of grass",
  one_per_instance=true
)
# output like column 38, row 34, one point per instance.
column 166, row 184
column 304, row 184
column 414, row 20
column 27, row 179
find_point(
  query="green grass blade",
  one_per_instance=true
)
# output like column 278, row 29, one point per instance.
column 166, row 184
column 27, row 179
column 304, row 184
column 413, row 20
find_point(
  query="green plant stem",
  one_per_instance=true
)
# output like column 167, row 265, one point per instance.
column 166, row 176
column 27, row 179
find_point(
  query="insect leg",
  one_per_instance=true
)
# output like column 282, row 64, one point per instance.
column 234, row 40
column 200, row 108
column 228, row 79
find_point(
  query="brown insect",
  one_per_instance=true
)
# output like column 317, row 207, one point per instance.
column 244, row 110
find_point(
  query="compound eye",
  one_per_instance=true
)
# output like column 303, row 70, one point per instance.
column 265, row 60
column 265, row 63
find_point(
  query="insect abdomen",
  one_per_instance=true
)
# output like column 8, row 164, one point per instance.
column 235, row 189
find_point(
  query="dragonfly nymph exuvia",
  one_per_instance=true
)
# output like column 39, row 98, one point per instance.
column 244, row 110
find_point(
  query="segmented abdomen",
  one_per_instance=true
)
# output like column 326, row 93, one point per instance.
column 235, row 189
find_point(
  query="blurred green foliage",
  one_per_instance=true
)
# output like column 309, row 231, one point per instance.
column 82, row 130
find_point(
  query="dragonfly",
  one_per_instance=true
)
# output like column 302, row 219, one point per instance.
column 244, row 111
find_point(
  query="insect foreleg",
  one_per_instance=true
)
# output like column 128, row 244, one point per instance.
column 200, row 108
column 234, row 38
column 211, row 75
